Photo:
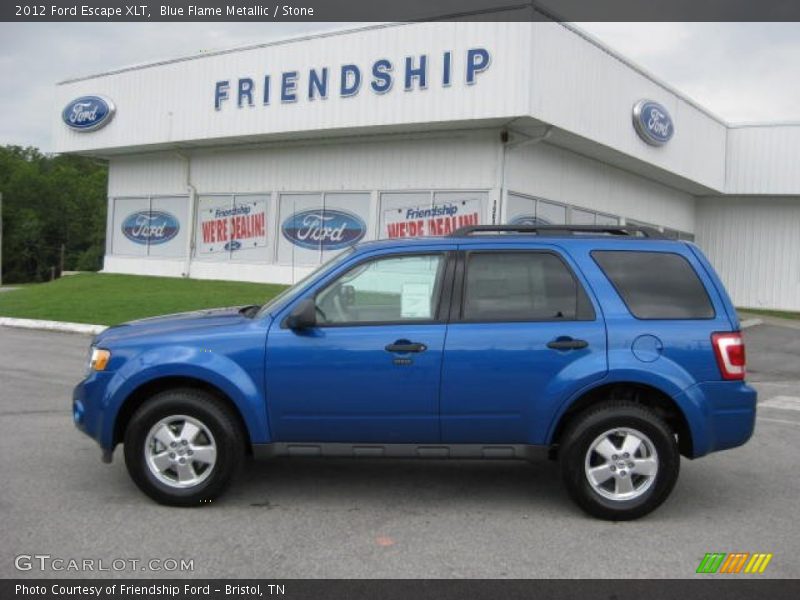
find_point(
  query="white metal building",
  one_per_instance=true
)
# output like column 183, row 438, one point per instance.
column 259, row 162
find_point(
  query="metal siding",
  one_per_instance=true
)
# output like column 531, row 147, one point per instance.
column 175, row 102
column 763, row 160
column 578, row 86
column 553, row 173
column 162, row 173
column 454, row 161
column 754, row 245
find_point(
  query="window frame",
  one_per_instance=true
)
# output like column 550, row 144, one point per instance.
column 444, row 282
column 460, row 283
column 714, row 311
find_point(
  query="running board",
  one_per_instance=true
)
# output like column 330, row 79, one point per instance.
column 339, row 450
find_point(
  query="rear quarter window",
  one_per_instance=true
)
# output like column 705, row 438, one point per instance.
column 656, row 285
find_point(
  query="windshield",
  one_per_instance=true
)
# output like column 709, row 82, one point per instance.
column 292, row 289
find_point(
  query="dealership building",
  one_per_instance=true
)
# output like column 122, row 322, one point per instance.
column 260, row 162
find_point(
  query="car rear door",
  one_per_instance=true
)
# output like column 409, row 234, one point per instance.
column 525, row 333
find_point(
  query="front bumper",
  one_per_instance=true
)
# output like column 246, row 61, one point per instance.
column 88, row 405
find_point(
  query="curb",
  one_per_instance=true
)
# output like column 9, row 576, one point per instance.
column 747, row 323
column 83, row 328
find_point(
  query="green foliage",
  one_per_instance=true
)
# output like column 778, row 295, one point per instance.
column 108, row 299
column 49, row 201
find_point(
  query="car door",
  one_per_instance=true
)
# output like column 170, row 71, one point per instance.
column 524, row 335
column 369, row 371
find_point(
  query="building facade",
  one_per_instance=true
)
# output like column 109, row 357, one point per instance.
column 259, row 163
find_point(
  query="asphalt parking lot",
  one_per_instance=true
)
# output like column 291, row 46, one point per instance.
column 365, row 518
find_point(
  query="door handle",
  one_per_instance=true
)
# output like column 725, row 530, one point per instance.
column 567, row 343
column 404, row 346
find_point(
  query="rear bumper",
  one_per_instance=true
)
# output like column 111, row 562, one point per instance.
column 725, row 415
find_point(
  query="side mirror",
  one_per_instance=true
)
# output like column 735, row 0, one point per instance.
column 303, row 316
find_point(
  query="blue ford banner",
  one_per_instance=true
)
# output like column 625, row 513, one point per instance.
column 330, row 229
column 88, row 113
column 652, row 122
column 150, row 227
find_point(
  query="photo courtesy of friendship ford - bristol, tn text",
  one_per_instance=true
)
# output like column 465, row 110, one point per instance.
column 497, row 303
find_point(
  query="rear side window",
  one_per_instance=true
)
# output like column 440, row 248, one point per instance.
column 522, row 286
column 656, row 285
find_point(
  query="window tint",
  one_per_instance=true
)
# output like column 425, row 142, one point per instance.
column 403, row 288
column 656, row 285
column 522, row 286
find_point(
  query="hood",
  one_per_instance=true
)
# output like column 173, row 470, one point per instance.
column 175, row 323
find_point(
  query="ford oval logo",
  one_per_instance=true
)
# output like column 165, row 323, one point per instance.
column 150, row 227
column 88, row 113
column 331, row 229
column 233, row 245
column 652, row 122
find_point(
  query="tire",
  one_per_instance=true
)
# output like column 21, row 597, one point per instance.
column 186, row 474
column 599, row 477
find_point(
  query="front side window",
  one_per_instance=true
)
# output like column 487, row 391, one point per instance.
column 522, row 286
column 384, row 290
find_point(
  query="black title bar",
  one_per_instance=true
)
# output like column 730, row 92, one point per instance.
column 398, row 10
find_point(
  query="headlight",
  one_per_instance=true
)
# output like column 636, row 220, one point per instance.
column 98, row 359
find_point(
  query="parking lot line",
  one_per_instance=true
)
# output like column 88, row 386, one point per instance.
column 782, row 402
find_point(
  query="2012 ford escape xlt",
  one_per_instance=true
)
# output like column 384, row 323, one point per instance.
column 611, row 349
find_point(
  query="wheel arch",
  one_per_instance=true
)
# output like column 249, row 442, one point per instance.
column 139, row 395
column 641, row 393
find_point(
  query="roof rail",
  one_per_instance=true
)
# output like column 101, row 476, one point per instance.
column 562, row 230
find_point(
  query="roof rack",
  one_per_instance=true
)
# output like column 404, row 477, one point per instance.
column 562, row 230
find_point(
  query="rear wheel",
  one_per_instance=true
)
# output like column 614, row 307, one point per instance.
column 619, row 461
column 182, row 447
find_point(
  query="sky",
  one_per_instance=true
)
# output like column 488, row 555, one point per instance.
column 742, row 72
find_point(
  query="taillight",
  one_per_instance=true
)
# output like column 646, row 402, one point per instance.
column 729, row 350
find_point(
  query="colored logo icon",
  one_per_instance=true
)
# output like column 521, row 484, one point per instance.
column 734, row 563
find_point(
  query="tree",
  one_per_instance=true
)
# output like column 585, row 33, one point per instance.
column 49, row 201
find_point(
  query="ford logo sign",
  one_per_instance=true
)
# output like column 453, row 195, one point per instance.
column 233, row 245
column 150, row 227
column 88, row 113
column 652, row 122
column 331, row 229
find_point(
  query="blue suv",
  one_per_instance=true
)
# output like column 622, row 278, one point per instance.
column 610, row 349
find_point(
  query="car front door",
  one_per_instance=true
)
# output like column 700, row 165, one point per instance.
column 523, row 335
column 369, row 370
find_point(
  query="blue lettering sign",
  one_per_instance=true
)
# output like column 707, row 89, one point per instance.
column 351, row 80
column 320, row 84
column 477, row 61
column 381, row 76
column 289, row 86
column 220, row 93
column 419, row 73
column 245, row 91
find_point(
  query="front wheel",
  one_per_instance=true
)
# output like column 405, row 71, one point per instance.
column 619, row 461
column 182, row 447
